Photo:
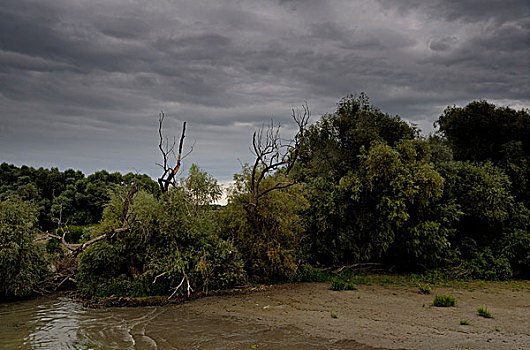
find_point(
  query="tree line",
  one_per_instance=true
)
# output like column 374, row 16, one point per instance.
column 358, row 185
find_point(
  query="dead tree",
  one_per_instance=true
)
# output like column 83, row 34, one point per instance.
column 168, row 177
column 273, row 154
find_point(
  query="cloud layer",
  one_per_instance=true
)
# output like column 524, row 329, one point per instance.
column 82, row 82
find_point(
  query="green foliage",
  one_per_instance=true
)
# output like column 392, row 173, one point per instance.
column 348, row 280
column 484, row 265
column 493, row 186
column 444, row 301
column 373, row 190
column 339, row 283
column 308, row 273
column 340, row 165
column 77, row 199
column 484, row 312
column 481, row 131
column 22, row 262
column 464, row 322
column 333, row 314
column 201, row 187
column 424, row 288
column 165, row 240
column 271, row 245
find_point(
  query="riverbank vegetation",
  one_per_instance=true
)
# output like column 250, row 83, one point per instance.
column 356, row 186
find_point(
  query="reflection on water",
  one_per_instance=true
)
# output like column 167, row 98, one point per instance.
column 56, row 322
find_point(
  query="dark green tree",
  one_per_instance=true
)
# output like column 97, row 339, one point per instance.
column 22, row 262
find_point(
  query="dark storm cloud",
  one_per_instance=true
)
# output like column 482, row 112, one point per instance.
column 464, row 10
column 443, row 44
column 82, row 82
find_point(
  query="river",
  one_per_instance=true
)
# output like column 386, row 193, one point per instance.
column 57, row 322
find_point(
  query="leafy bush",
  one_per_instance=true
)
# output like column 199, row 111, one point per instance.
column 22, row 262
column 484, row 265
column 444, row 301
column 166, row 243
column 308, row 273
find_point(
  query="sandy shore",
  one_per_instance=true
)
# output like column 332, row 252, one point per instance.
column 389, row 317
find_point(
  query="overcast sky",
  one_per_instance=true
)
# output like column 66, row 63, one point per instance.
column 82, row 81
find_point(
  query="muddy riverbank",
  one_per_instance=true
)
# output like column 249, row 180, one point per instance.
column 290, row 316
column 393, row 317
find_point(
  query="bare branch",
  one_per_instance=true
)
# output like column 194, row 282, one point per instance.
column 168, row 176
column 127, row 201
column 159, row 275
column 272, row 154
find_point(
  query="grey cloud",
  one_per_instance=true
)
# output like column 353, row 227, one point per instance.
column 469, row 10
column 78, row 78
column 443, row 44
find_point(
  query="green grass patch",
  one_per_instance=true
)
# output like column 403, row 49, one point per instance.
column 333, row 314
column 424, row 288
column 444, row 301
column 341, row 284
column 484, row 312
column 464, row 322
column 308, row 273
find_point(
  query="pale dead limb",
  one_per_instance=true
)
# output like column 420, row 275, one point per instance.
column 184, row 278
column 158, row 276
column 111, row 233
column 366, row 265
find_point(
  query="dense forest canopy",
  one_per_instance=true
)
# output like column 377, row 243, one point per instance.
column 358, row 185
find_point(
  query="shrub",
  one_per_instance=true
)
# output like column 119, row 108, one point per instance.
column 424, row 288
column 444, row 301
column 485, row 265
column 464, row 322
column 333, row 314
column 22, row 263
column 340, row 283
column 308, row 273
column 484, row 312
column 164, row 240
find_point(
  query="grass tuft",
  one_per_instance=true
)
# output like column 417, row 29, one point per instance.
column 424, row 288
column 333, row 314
column 464, row 322
column 444, row 301
column 484, row 312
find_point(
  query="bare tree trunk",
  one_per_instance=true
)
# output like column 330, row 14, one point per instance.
column 168, row 176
